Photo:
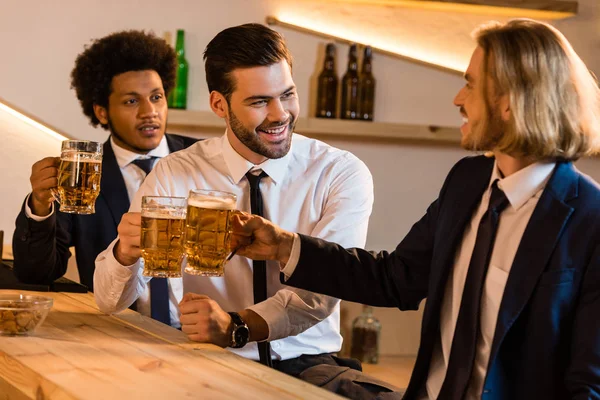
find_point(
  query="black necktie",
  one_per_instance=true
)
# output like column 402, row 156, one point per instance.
column 464, row 344
column 259, row 267
column 159, row 288
column 145, row 164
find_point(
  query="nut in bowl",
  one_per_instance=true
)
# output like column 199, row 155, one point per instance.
column 21, row 314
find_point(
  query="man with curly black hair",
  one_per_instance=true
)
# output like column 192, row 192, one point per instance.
column 122, row 81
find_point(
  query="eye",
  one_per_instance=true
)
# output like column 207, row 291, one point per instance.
column 157, row 97
column 130, row 101
column 288, row 95
column 259, row 103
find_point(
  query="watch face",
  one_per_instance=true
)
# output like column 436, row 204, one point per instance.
column 240, row 335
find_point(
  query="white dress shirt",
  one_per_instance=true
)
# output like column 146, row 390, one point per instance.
column 523, row 190
column 315, row 189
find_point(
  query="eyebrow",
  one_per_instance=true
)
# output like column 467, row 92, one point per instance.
column 263, row 97
column 137, row 94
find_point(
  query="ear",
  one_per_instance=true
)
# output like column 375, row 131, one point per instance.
column 218, row 104
column 101, row 113
column 504, row 105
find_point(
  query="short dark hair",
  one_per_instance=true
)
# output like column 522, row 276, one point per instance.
column 244, row 46
column 115, row 54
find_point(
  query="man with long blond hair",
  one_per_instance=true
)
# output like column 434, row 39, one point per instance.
column 508, row 256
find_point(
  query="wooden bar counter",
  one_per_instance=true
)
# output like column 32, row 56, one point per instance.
column 81, row 353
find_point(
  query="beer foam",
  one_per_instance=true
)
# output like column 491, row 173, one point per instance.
column 213, row 203
column 79, row 156
column 165, row 213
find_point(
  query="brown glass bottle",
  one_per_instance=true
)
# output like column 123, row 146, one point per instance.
column 367, row 87
column 349, row 108
column 366, row 330
column 327, row 86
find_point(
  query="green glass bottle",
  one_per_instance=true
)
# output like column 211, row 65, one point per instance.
column 178, row 96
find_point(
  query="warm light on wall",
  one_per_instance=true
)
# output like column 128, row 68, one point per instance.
column 405, row 50
column 28, row 120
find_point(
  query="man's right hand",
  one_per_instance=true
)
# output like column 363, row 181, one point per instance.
column 127, row 250
column 260, row 239
column 44, row 176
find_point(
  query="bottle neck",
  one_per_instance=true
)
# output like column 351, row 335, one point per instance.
column 367, row 67
column 179, row 44
column 352, row 64
column 329, row 64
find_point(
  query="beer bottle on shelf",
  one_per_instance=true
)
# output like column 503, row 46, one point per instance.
column 178, row 96
column 367, row 87
column 349, row 108
column 327, row 86
column 365, row 337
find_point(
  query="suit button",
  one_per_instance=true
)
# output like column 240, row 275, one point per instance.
column 23, row 238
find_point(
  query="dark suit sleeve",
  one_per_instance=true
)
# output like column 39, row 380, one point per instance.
column 397, row 279
column 41, row 249
column 583, row 374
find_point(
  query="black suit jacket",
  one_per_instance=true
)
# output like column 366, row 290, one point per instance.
column 41, row 249
column 547, row 339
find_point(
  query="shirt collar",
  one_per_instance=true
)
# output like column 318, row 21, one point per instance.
column 125, row 157
column 238, row 166
column 523, row 184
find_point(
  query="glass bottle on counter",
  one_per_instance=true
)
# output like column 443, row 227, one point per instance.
column 367, row 86
column 178, row 96
column 327, row 86
column 366, row 330
column 349, row 108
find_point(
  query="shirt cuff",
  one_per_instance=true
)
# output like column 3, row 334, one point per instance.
column 289, row 268
column 34, row 217
column 274, row 314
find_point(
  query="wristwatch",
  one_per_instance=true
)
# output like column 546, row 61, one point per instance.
column 240, row 333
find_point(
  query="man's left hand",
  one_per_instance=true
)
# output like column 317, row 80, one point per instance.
column 203, row 320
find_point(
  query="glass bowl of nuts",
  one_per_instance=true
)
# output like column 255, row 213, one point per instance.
column 21, row 314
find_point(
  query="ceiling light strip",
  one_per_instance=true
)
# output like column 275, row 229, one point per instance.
column 12, row 110
column 271, row 20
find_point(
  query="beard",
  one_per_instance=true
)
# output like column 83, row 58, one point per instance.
column 251, row 139
column 484, row 134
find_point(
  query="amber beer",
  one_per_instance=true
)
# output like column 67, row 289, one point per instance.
column 79, row 176
column 161, row 239
column 208, row 231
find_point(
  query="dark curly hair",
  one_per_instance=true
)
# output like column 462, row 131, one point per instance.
column 243, row 46
column 115, row 54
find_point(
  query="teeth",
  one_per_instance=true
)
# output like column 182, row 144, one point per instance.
column 465, row 120
column 275, row 131
column 148, row 128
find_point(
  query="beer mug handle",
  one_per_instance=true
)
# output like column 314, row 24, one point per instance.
column 55, row 194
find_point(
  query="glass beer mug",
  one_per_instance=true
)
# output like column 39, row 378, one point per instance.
column 208, row 231
column 79, row 175
column 162, row 235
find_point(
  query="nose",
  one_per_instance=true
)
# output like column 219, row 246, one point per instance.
column 147, row 109
column 459, row 98
column 277, row 111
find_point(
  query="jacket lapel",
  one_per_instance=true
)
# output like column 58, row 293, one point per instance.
column 175, row 143
column 112, row 185
column 460, row 206
column 465, row 189
column 539, row 240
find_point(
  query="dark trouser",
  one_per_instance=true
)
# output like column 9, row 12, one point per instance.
column 340, row 375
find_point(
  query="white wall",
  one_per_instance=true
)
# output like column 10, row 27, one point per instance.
column 40, row 40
